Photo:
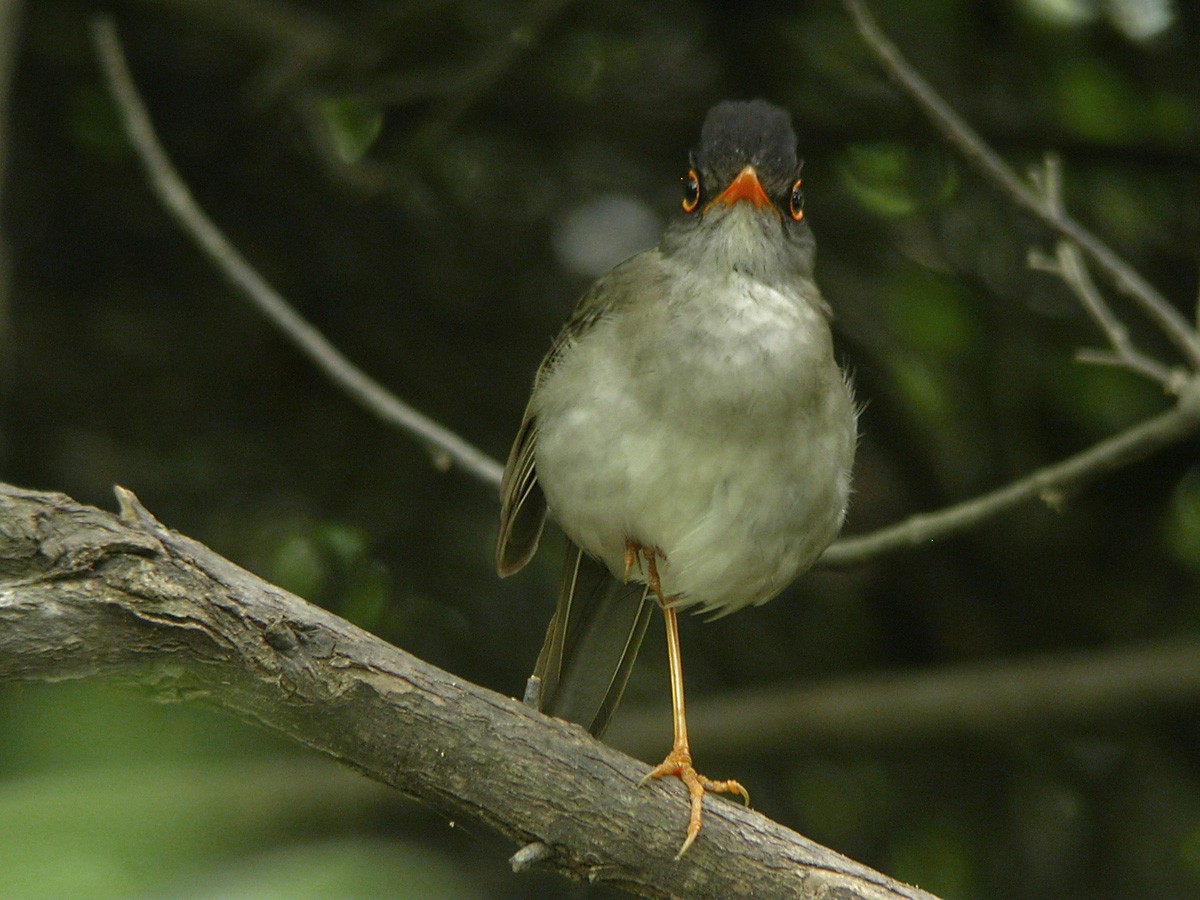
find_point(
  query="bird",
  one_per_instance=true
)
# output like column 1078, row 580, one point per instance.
column 690, row 430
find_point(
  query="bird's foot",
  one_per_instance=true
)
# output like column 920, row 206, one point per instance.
column 679, row 764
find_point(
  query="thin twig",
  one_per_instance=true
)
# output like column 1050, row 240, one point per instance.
column 1075, row 274
column 1127, row 279
column 1049, row 483
column 447, row 446
column 1172, row 380
column 1069, row 265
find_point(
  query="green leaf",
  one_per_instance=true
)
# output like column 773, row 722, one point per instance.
column 298, row 565
column 1095, row 101
column 1181, row 526
column 924, row 387
column 353, row 125
column 366, row 597
column 1104, row 399
column 894, row 180
column 348, row 544
column 932, row 314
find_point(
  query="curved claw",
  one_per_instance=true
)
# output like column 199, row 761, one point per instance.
column 679, row 764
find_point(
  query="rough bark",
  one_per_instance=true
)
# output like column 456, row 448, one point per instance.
column 85, row 593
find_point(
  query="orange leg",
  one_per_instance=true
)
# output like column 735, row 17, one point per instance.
column 632, row 553
column 679, row 761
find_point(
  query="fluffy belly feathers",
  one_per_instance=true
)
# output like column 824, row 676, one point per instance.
column 741, row 477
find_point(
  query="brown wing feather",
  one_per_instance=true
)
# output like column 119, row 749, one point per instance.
column 591, row 643
column 522, row 504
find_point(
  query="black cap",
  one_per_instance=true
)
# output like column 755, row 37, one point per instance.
column 741, row 133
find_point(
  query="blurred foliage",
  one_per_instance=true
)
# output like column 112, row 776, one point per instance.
column 895, row 179
column 1181, row 524
column 107, row 797
column 412, row 175
column 353, row 125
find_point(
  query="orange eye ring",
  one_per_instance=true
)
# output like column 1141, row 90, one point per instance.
column 691, row 191
column 796, row 201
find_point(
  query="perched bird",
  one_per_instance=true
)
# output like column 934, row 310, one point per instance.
column 690, row 430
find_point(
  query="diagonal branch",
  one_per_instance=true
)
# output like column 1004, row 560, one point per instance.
column 1048, row 483
column 174, row 194
column 977, row 152
column 85, row 594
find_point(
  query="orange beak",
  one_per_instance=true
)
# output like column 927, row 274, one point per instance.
column 745, row 187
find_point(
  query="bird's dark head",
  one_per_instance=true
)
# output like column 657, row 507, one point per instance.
column 744, row 181
column 752, row 134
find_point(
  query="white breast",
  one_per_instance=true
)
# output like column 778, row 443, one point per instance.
column 713, row 424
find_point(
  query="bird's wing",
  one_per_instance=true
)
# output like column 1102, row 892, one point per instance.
column 522, row 503
column 598, row 624
column 591, row 643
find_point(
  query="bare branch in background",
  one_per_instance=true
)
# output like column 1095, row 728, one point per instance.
column 977, row 152
column 174, row 194
column 1010, row 696
column 1043, row 197
column 1068, row 264
column 1048, row 484
column 86, row 594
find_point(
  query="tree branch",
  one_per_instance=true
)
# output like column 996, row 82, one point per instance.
column 1049, row 483
column 85, row 594
column 179, row 202
column 979, row 699
column 1068, row 264
column 977, row 152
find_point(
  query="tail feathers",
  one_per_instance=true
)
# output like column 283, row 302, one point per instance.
column 592, row 642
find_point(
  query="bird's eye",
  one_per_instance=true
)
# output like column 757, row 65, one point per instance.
column 796, row 201
column 691, row 191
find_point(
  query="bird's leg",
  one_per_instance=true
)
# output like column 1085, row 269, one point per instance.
column 632, row 555
column 653, row 555
column 679, row 760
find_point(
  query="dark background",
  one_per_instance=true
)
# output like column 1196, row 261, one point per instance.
column 415, row 178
